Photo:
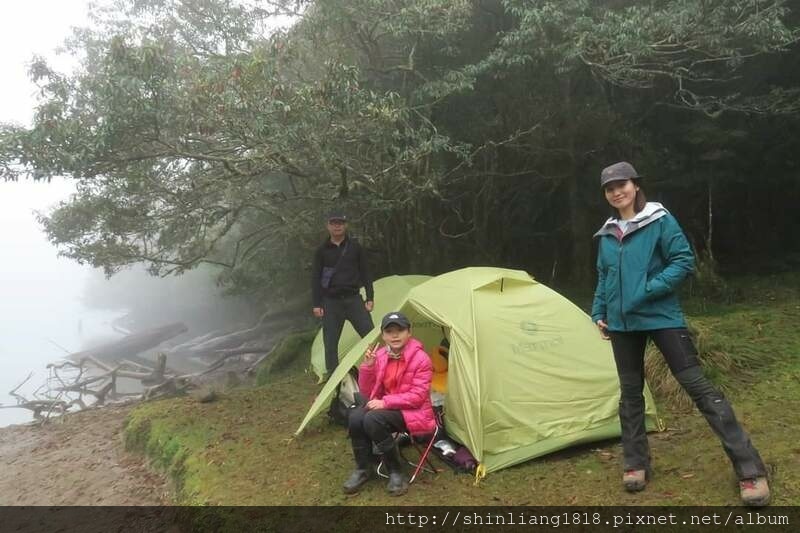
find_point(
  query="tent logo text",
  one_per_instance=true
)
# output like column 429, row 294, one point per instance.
column 540, row 346
column 528, row 327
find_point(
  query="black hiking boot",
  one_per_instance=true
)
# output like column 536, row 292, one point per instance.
column 365, row 469
column 356, row 481
column 398, row 482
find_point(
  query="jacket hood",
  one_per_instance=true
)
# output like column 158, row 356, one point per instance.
column 652, row 211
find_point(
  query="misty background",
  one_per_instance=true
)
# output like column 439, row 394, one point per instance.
column 50, row 305
column 41, row 294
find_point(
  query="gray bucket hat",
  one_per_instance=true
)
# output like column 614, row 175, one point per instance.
column 618, row 171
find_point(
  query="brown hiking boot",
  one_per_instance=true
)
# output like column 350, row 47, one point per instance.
column 634, row 480
column 754, row 492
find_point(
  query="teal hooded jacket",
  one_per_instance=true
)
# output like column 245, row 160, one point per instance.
column 639, row 270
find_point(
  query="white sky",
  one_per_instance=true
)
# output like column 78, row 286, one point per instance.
column 39, row 293
column 28, row 28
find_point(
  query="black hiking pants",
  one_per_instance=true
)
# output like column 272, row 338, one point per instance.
column 373, row 426
column 680, row 354
column 337, row 310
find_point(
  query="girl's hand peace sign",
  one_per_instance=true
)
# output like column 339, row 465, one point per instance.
column 369, row 355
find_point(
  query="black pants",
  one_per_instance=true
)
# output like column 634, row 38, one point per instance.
column 376, row 426
column 337, row 310
column 681, row 356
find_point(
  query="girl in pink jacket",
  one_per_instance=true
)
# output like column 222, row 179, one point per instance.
column 396, row 380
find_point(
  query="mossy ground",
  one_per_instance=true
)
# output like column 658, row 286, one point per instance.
column 239, row 450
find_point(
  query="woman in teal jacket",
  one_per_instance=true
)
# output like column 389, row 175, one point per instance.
column 642, row 258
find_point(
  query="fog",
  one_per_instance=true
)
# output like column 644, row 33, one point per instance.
column 41, row 293
column 53, row 305
column 147, row 301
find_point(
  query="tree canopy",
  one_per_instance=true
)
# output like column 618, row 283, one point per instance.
column 455, row 132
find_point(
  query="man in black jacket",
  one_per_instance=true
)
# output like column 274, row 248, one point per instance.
column 338, row 273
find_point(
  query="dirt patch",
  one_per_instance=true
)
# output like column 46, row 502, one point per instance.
column 77, row 461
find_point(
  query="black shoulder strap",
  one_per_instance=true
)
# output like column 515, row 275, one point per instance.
column 344, row 251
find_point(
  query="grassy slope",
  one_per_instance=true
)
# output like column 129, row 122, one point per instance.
column 239, row 450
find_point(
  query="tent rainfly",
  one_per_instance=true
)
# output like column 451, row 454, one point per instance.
column 528, row 372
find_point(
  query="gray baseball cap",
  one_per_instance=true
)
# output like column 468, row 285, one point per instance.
column 336, row 215
column 618, row 171
column 397, row 318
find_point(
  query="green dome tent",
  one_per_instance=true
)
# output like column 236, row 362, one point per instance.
column 389, row 294
column 528, row 371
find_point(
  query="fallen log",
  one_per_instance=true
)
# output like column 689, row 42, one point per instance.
column 245, row 350
column 95, row 372
column 228, row 340
column 254, row 340
column 268, row 324
column 130, row 345
column 174, row 385
column 62, row 392
column 224, row 355
column 192, row 343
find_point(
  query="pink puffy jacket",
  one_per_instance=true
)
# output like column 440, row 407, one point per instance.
column 413, row 395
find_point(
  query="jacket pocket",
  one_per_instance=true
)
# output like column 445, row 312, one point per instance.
column 655, row 288
column 636, row 293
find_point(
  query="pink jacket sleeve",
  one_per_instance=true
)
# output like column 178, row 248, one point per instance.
column 414, row 398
